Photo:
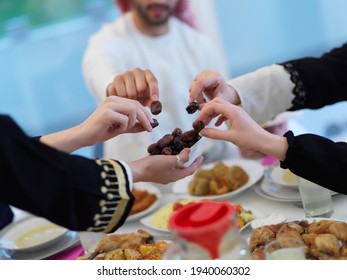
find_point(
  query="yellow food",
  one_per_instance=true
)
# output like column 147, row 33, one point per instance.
column 39, row 235
column 289, row 177
column 161, row 217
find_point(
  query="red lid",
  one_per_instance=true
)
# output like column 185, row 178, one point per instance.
column 196, row 221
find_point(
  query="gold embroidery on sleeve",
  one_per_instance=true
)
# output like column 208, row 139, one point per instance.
column 116, row 198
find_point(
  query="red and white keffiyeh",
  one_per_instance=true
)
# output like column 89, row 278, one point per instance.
column 182, row 10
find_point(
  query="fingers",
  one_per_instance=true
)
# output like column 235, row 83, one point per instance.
column 152, row 85
column 195, row 165
column 136, row 84
column 182, row 158
column 183, row 172
column 184, row 155
column 214, row 133
column 119, row 85
column 207, row 81
column 215, row 108
column 134, row 112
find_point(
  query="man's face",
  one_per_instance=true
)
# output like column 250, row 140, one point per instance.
column 154, row 12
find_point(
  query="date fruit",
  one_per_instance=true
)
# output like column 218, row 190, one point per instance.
column 192, row 107
column 174, row 143
column 156, row 107
column 155, row 123
column 198, row 126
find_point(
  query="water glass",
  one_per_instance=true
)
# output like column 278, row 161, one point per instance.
column 285, row 248
column 316, row 200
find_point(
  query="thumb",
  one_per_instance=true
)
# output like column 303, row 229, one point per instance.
column 214, row 133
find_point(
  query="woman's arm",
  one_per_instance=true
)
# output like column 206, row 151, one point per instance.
column 72, row 191
column 293, row 85
column 310, row 156
column 114, row 116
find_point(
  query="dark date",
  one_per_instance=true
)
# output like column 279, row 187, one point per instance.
column 156, row 107
column 192, row 107
column 174, row 143
column 155, row 123
column 198, row 126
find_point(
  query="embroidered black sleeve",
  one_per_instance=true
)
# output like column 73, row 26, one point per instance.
column 290, row 139
column 299, row 89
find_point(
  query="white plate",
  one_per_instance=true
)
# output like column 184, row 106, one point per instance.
column 31, row 234
column 147, row 221
column 280, row 191
column 273, row 218
column 151, row 189
column 283, row 177
column 272, row 191
column 258, row 189
column 254, row 170
column 69, row 240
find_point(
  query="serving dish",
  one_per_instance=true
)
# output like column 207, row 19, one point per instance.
column 254, row 170
column 151, row 189
column 69, row 240
column 323, row 238
column 148, row 220
column 31, row 234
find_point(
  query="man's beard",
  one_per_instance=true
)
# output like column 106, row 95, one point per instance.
column 145, row 16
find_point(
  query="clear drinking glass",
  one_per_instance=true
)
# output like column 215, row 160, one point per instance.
column 285, row 248
column 316, row 200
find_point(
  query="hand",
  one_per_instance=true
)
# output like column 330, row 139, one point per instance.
column 278, row 129
column 243, row 130
column 212, row 84
column 163, row 169
column 138, row 84
column 116, row 115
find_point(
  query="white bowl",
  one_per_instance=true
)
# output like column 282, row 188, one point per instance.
column 31, row 234
column 283, row 177
column 195, row 151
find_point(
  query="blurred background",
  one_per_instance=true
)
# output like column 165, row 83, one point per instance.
column 42, row 44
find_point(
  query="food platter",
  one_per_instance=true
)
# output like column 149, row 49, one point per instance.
column 148, row 220
column 31, row 234
column 132, row 245
column 322, row 237
column 151, row 189
column 254, row 170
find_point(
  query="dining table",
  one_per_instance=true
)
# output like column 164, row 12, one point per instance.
column 249, row 198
